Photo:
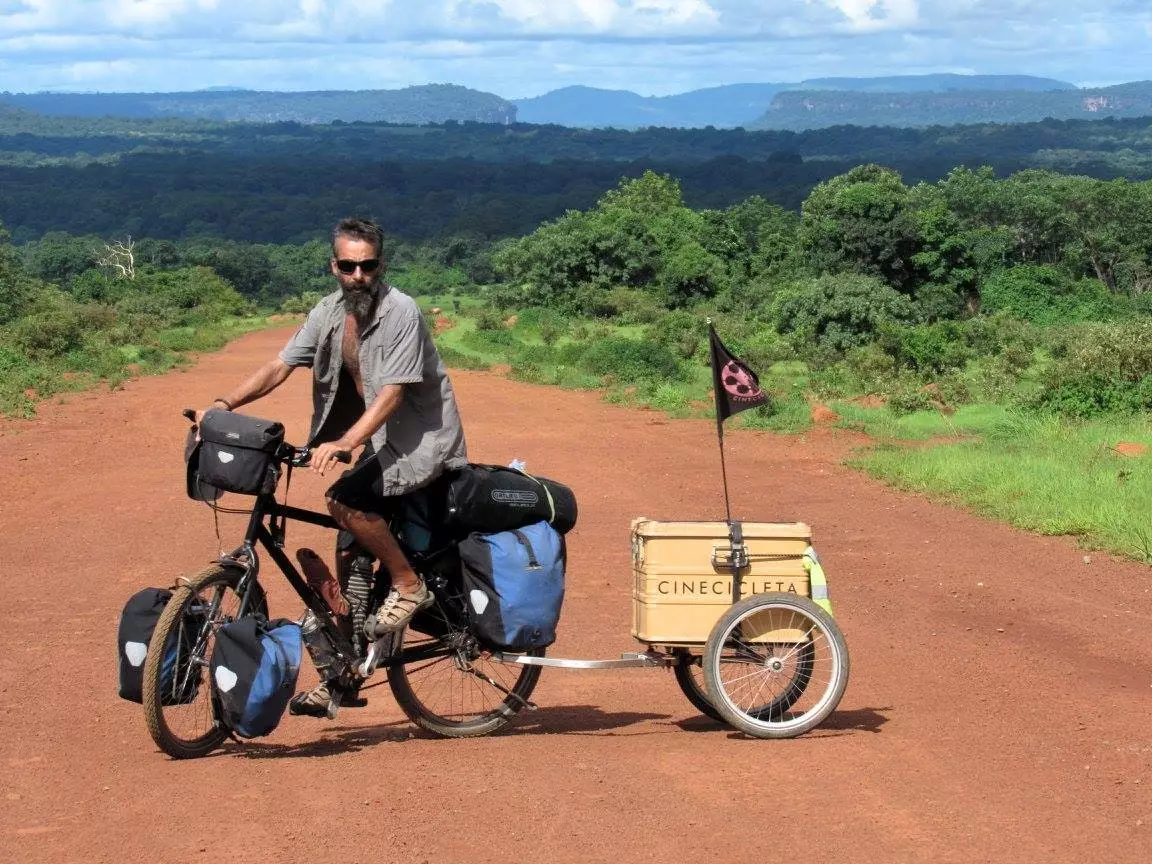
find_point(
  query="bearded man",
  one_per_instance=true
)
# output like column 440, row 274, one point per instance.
column 377, row 381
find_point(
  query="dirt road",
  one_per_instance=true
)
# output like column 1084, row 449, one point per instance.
column 999, row 707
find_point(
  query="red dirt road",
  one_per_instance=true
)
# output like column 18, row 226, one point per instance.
column 999, row 707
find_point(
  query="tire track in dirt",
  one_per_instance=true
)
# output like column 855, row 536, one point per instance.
column 998, row 710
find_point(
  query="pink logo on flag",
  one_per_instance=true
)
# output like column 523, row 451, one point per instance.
column 739, row 384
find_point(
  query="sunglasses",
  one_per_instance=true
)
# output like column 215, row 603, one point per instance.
column 348, row 267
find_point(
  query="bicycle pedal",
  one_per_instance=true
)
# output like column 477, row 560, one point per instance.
column 377, row 651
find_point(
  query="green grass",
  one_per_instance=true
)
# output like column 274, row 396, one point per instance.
column 1039, row 473
column 883, row 424
column 24, row 380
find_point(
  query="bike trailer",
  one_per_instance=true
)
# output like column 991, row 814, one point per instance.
column 514, row 582
column 254, row 666
column 137, row 622
column 235, row 453
column 682, row 578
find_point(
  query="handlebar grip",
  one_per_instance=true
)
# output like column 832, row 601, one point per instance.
column 190, row 414
column 344, row 456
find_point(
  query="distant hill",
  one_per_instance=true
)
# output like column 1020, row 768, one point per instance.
column 737, row 104
column 935, row 83
column 431, row 103
column 589, row 107
column 818, row 109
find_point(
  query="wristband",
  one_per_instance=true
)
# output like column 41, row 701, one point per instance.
column 224, row 402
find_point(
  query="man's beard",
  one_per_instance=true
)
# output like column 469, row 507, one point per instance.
column 359, row 301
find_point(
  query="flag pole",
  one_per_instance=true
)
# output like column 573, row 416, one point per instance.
column 739, row 559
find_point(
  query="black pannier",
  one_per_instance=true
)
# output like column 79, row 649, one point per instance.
column 491, row 498
column 178, row 683
column 235, row 453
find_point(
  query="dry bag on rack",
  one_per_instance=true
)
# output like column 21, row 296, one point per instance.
column 254, row 667
column 492, row 498
column 235, row 453
column 178, row 683
column 514, row 586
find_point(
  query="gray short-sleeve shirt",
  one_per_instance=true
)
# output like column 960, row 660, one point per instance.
column 424, row 435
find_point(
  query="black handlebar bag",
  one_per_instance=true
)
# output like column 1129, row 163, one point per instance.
column 235, row 453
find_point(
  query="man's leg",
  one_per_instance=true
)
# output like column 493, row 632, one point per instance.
column 409, row 594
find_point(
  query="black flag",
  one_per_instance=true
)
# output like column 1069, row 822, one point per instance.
column 737, row 387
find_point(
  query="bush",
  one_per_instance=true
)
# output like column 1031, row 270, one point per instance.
column 837, row 313
column 631, row 361
column 1045, row 295
column 1099, row 369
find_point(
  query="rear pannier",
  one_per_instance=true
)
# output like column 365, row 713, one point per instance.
column 514, row 585
column 236, row 453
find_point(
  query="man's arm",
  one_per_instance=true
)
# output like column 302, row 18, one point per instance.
column 260, row 383
column 377, row 414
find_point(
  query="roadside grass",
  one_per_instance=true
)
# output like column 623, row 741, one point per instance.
column 25, row 380
column 883, row 424
column 1040, row 473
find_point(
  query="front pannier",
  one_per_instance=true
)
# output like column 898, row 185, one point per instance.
column 178, row 682
column 236, row 453
column 254, row 667
column 492, row 498
column 514, row 586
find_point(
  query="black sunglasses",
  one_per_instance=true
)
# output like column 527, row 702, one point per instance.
column 368, row 265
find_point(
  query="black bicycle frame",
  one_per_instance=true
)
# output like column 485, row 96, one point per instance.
column 272, row 537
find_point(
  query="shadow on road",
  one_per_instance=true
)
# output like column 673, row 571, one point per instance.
column 840, row 723
column 565, row 720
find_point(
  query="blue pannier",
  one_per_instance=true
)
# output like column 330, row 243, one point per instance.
column 254, row 666
column 514, row 586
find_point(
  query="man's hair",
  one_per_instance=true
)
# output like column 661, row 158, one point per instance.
column 361, row 229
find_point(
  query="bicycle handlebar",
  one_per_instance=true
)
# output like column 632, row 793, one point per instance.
column 298, row 456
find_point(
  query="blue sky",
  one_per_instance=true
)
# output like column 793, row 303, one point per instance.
column 518, row 48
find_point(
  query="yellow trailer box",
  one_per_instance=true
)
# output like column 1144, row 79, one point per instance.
column 681, row 584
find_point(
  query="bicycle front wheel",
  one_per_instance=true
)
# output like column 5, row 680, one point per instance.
column 178, row 702
column 776, row 665
column 451, row 689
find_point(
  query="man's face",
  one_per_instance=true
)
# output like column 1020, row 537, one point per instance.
column 359, row 285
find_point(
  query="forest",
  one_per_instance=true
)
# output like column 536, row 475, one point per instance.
column 178, row 179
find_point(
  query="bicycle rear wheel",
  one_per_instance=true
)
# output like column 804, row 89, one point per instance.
column 452, row 688
column 178, row 693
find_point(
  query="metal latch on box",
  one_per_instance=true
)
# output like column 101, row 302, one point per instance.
column 729, row 558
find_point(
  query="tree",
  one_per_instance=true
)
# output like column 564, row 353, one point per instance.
column 862, row 222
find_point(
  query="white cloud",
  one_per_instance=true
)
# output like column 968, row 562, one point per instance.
column 522, row 47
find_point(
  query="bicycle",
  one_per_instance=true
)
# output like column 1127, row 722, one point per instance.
column 439, row 674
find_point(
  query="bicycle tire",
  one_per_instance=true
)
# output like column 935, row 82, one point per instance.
column 741, row 670
column 416, row 699
column 687, row 668
column 168, row 722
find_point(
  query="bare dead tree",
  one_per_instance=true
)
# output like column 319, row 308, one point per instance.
column 120, row 257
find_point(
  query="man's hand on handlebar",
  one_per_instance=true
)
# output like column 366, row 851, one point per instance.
column 326, row 456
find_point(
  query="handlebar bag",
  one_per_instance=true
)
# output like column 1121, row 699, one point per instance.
column 179, row 683
column 254, row 666
column 514, row 586
column 492, row 498
column 236, row 453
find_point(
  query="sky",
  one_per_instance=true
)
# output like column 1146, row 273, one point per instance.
column 522, row 48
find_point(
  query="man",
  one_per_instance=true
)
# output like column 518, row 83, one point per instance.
column 377, row 381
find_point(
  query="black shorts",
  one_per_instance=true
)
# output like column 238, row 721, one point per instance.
column 361, row 488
